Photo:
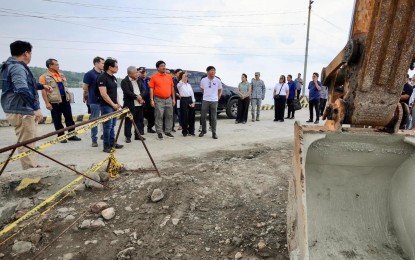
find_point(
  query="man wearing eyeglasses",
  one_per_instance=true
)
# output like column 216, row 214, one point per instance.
column 58, row 101
column 109, row 101
column 212, row 90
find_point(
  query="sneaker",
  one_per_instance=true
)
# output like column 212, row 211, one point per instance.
column 287, row 117
column 316, row 122
column 202, row 134
column 309, row 121
column 94, row 144
column 257, row 118
column 118, row 146
column 151, row 131
column 128, row 140
column 281, row 120
column 169, row 135
column 292, row 117
column 160, row 136
column 244, row 122
column 64, row 141
column 74, row 138
column 107, row 149
column 214, row 136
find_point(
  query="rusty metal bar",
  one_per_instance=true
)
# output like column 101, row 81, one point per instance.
column 116, row 138
column 145, row 147
column 7, row 161
column 24, row 143
column 66, row 166
column 63, row 232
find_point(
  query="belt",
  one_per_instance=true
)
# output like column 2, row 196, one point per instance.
column 162, row 98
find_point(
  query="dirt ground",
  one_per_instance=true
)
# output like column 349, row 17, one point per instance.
column 219, row 205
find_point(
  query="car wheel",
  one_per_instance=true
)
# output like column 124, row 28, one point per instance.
column 232, row 109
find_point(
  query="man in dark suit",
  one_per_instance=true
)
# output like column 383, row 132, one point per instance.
column 134, row 94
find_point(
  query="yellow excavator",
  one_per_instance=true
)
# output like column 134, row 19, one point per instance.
column 352, row 191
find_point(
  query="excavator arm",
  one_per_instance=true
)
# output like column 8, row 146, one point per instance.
column 365, row 79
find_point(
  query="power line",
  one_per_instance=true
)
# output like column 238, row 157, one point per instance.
column 108, row 19
column 127, row 9
column 139, row 44
column 173, row 53
column 327, row 21
column 101, row 28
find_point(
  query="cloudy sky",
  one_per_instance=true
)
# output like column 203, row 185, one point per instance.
column 236, row 36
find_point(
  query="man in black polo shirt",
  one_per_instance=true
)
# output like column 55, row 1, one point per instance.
column 109, row 102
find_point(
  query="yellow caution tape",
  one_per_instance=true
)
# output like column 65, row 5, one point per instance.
column 50, row 199
column 66, row 136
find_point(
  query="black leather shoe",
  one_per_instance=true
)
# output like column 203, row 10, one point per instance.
column 128, row 140
column 202, row 134
column 107, row 149
column 160, row 136
column 169, row 135
column 316, row 122
column 151, row 131
column 74, row 138
column 119, row 146
column 64, row 141
column 309, row 121
column 214, row 136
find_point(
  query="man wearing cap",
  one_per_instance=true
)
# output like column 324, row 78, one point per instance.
column 162, row 98
column 257, row 95
column 147, row 109
column 212, row 90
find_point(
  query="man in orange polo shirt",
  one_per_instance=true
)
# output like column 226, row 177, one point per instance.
column 162, row 99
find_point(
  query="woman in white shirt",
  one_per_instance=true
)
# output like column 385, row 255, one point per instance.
column 187, row 104
column 281, row 90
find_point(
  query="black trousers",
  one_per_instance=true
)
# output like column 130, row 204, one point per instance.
column 243, row 106
column 279, row 108
column 149, row 115
column 290, row 108
column 323, row 103
column 298, row 93
column 60, row 109
column 138, row 117
column 187, row 115
column 314, row 104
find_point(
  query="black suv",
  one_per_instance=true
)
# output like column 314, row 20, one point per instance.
column 228, row 102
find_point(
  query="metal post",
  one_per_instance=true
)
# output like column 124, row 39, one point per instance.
column 306, row 48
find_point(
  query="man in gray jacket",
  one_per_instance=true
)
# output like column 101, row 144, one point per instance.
column 257, row 95
column 19, row 98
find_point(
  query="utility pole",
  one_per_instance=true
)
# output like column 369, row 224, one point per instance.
column 306, row 49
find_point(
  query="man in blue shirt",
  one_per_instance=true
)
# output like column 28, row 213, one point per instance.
column 292, row 94
column 90, row 81
column 314, row 88
column 148, row 109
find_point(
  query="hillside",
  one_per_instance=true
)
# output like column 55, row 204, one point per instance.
column 74, row 78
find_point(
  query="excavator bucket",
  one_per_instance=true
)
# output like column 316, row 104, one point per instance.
column 352, row 195
column 352, row 192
